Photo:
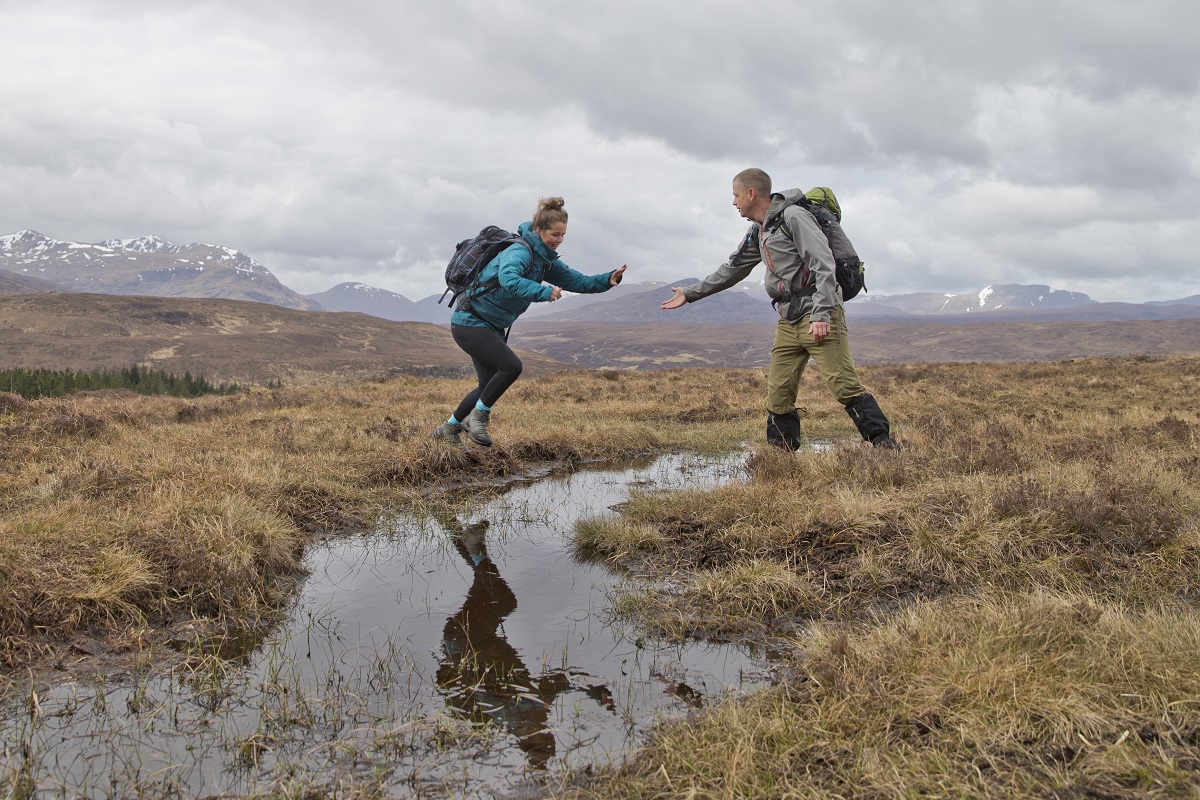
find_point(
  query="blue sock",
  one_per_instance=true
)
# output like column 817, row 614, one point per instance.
column 453, row 421
column 479, row 404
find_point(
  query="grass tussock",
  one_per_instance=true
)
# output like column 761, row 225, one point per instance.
column 616, row 538
column 1027, row 696
column 1014, row 496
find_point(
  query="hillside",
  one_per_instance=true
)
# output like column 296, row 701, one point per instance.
column 224, row 340
column 231, row 340
column 662, row 345
column 13, row 283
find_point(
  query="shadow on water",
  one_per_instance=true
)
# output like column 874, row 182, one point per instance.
column 460, row 655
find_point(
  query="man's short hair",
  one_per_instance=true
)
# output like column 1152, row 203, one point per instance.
column 755, row 179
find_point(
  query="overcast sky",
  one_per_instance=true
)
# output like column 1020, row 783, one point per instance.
column 971, row 142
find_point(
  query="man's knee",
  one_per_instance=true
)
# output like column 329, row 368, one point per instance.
column 847, row 396
column 781, row 391
column 781, row 405
column 846, row 387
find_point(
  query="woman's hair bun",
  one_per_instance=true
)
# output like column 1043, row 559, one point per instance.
column 549, row 212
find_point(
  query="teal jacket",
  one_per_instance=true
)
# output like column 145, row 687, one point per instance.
column 520, row 283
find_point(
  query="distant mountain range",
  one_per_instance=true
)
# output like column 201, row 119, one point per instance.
column 146, row 266
column 640, row 303
column 381, row 303
column 215, row 311
column 31, row 262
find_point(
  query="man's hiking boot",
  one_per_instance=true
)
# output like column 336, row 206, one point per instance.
column 783, row 430
column 885, row 442
column 476, row 426
column 871, row 423
column 449, row 432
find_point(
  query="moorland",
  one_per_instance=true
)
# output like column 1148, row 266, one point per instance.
column 668, row 344
column 1004, row 608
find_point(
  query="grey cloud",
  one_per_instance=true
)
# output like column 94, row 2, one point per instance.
column 971, row 142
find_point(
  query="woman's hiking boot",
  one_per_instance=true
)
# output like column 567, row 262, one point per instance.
column 449, row 432
column 476, row 426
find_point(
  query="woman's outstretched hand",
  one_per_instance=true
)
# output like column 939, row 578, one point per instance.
column 616, row 275
column 677, row 299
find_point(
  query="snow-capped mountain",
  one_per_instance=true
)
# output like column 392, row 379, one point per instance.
column 143, row 244
column 148, row 265
column 1000, row 297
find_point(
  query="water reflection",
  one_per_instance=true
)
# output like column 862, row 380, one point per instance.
column 481, row 675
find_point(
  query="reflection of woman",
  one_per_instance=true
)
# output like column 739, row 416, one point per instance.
column 481, row 674
column 506, row 287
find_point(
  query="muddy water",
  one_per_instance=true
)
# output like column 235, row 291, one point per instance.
column 461, row 656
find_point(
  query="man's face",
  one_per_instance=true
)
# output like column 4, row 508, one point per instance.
column 742, row 199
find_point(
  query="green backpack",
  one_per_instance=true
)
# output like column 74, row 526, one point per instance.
column 849, row 270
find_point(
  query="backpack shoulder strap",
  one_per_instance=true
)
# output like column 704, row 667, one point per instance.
column 801, row 201
column 480, row 287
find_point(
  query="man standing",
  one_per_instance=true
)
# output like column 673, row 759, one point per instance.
column 803, row 288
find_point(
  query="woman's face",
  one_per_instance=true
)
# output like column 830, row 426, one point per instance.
column 552, row 237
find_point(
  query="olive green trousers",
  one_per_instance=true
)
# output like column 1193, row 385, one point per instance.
column 791, row 352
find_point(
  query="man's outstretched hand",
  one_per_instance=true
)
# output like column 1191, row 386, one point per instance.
column 677, row 300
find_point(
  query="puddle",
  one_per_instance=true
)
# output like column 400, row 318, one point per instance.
column 453, row 658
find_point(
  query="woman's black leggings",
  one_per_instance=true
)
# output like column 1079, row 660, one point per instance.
column 495, row 363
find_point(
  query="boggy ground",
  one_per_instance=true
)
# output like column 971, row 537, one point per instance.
column 1004, row 608
column 128, row 521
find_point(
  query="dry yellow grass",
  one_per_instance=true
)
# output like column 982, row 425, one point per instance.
column 1015, row 495
column 1029, row 696
column 1005, row 608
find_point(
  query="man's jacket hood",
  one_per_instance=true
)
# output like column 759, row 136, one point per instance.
column 780, row 201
